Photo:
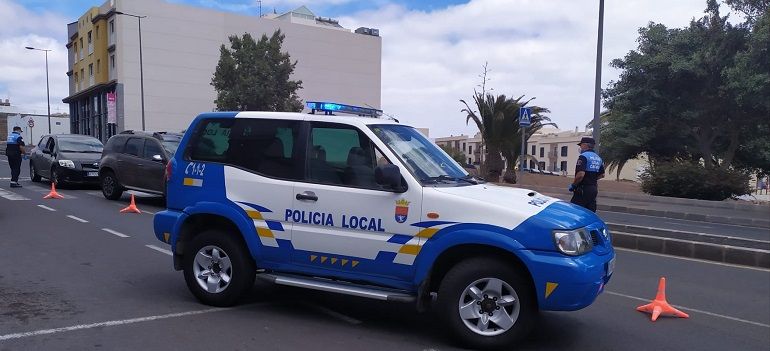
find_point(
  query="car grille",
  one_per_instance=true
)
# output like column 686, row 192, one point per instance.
column 93, row 166
column 595, row 237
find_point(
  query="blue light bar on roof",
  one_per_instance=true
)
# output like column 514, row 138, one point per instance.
column 331, row 107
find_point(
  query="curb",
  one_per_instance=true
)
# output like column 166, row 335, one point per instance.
column 691, row 236
column 750, row 222
column 691, row 249
column 762, row 208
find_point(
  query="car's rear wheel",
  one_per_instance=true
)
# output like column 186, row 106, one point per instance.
column 111, row 188
column 33, row 172
column 486, row 303
column 218, row 268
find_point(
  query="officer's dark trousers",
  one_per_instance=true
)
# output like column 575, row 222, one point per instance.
column 585, row 195
column 14, row 159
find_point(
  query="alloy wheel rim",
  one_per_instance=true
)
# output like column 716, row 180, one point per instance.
column 109, row 185
column 212, row 269
column 489, row 306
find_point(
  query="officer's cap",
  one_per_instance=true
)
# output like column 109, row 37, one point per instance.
column 587, row 140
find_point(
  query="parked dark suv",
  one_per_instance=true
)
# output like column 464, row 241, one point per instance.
column 66, row 159
column 136, row 160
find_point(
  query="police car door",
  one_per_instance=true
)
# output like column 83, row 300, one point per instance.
column 344, row 222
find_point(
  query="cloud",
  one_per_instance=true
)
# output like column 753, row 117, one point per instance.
column 22, row 71
column 544, row 49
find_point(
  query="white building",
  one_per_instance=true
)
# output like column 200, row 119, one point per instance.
column 469, row 146
column 34, row 124
column 180, row 51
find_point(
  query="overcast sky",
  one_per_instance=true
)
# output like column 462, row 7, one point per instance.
column 433, row 51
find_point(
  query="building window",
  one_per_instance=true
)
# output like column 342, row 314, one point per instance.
column 531, row 164
column 541, row 165
column 542, row 152
column 463, row 147
column 563, row 166
column 112, row 61
column 98, row 66
column 564, row 151
column 97, row 32
column 81, row 49
column 533, row 150
column 470, row 150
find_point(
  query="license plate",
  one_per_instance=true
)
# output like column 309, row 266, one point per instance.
column 92, row 174
column 610, row 266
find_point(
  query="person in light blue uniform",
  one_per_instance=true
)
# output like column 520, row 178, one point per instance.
column 588, row 171
column 14, row 149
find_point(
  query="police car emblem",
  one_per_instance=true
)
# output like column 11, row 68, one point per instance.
column 402, row 210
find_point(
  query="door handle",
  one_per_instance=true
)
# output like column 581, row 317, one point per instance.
column 308, row 195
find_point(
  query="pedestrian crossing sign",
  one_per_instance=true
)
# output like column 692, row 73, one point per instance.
column 525, row 116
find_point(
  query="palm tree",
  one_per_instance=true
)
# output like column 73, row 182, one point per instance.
column 498, row 121
column 512, row 148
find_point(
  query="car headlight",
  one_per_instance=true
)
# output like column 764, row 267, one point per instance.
column 573, row 242
column 67, row 163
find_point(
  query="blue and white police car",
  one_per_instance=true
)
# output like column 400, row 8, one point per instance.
column 368, row 207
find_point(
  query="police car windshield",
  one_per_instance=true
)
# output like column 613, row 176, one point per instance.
column 425, row 160
column 80, row 145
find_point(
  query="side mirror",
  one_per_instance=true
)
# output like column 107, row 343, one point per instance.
column 388, row 175
column 157, row 158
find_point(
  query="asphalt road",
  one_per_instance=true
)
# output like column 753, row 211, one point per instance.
column 69, row 284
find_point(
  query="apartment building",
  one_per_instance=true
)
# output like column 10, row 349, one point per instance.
column 471, row 147
column 179, row 53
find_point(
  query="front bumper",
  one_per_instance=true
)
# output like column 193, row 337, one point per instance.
column 566, row 283
column 80, row 176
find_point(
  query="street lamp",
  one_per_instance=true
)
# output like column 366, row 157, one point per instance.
column 598, row 86
column 47, row 89
column 141, row 72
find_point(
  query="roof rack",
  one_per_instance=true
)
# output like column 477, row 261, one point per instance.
column 329, row 108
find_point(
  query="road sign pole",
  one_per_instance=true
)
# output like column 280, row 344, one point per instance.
column 523, row 154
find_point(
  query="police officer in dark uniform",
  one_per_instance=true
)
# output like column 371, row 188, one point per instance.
column 13, row 150
column 589, row 169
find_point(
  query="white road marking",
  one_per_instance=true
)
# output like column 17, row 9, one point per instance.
column 333, row 313
column 20, row 178
column 107, row 324
column 46, row 208
column 81, row 220
column 167, row 252
column 693, row 310
column 11, row 195
column 108, row 230
column 695, row 260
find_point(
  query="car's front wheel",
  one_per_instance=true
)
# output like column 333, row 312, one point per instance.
column 486, row 303
column 33, row 172
column 111, row 189
column 218, row 268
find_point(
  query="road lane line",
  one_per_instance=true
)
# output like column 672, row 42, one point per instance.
column 682, row 231
column 108, row 324
column 693, row 310
column 694, row 259
column 81, row 220
column 167, row 252
column 46, row 208
column 11, row 195
column 108, row 230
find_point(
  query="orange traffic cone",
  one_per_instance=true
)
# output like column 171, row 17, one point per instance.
column 131, row 207
column 53, row 194
column 659, row 306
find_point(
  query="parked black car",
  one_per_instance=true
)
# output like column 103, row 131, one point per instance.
column 136, row 160
column 66, row 159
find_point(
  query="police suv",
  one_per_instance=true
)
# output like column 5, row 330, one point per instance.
column 368, row 207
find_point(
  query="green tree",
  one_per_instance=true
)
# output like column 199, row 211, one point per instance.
column 694, row 95
column 752, row 9
column 255, row 76
column 455, row 154
column 497, row 118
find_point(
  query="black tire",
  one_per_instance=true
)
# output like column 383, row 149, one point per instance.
column 111, row 188
column 242, row 270
column 32, row 173
column 460, row 277
column 55, row 178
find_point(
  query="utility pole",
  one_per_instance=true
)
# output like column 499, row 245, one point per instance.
column 598, row 85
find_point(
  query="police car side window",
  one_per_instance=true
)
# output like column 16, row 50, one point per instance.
column 259, row 145
column 342, row 155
